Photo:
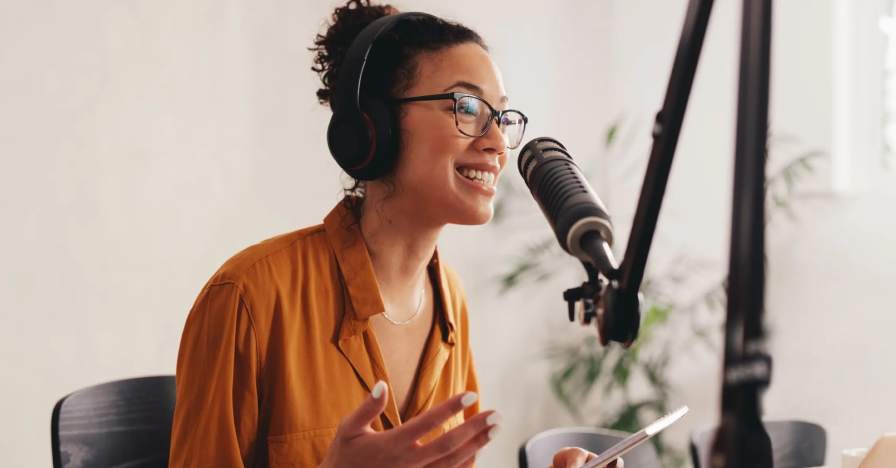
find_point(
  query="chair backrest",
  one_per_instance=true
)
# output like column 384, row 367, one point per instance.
column 795, row 444
column 539, row 450
column 126, row 422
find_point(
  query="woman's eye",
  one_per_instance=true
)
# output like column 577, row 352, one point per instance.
column 468, row 109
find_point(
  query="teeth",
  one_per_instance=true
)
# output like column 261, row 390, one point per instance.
column 483, row 177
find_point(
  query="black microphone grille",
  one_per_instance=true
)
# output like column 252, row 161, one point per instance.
column 537, row 150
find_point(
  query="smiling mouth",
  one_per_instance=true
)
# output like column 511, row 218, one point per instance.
column 485, row 178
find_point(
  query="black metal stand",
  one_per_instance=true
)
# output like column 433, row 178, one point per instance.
column 611, row 295
column 741, row 440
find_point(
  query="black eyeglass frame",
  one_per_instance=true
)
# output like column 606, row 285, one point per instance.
column 455, row 96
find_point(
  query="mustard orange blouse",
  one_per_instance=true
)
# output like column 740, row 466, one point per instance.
column 276, row 350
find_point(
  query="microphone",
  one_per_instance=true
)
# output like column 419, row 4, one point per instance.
column 575, row 213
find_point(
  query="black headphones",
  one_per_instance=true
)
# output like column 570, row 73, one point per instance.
column 362, row 133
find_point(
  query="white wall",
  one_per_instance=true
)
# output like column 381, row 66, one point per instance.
column 144, row 143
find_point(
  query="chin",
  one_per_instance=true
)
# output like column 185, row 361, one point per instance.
column 475, row 216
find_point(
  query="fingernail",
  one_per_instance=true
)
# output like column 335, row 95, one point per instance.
column 378, row 389
column 492, row 432
column 493, row 419
column 468, row 399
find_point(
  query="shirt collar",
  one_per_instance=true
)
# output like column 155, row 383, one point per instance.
column 343, row 232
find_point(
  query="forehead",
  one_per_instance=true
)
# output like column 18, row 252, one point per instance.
column 437, row 71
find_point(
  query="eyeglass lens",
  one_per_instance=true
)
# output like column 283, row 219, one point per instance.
column 474, row 117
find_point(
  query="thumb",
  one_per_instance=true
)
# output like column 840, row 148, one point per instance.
column 570, row 457
column 373, row 405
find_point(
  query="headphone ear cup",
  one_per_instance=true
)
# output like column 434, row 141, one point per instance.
column 380, row 120
column 348, row 140
column 365, row 147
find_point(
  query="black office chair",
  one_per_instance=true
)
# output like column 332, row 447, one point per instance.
column 121, row 423
column 795, row 444
column 539, row 450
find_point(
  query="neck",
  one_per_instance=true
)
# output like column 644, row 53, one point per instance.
column 399, row 243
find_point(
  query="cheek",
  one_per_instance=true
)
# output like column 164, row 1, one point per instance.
column 428, row 127
column 502, row 161
column 428, row 152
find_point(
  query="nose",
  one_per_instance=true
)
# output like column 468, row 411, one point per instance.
column 493, row 139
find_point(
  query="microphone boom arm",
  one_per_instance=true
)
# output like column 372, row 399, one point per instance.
column 666, row 130
column 618, row 310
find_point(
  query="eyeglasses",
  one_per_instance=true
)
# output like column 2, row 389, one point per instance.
column 473, row 116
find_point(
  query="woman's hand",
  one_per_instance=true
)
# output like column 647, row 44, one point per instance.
column 574, row 457
column 357, row 444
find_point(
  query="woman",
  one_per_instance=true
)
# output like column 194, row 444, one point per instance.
column 347, row 343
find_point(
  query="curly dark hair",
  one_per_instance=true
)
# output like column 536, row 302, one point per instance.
column 391, row 67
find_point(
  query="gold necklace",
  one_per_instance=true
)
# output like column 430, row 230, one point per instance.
column 416, row 313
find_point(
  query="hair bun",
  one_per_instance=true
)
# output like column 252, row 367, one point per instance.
column 330, row 48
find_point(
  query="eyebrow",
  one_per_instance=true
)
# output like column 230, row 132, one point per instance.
column 472, row 87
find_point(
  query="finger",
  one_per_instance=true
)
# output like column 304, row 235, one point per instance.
column 569, row 457
column 373, row 406
column 420, row 425
column 466, row 453
column 468, row 463
column 617, row 463
column 452, row 440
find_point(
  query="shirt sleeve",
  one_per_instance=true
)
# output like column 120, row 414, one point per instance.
column 472, row 386
column 216, row 406
column 471, row 382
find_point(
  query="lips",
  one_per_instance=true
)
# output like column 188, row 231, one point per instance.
column 476, row 185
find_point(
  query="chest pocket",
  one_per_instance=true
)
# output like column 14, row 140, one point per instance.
column 301, row 449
